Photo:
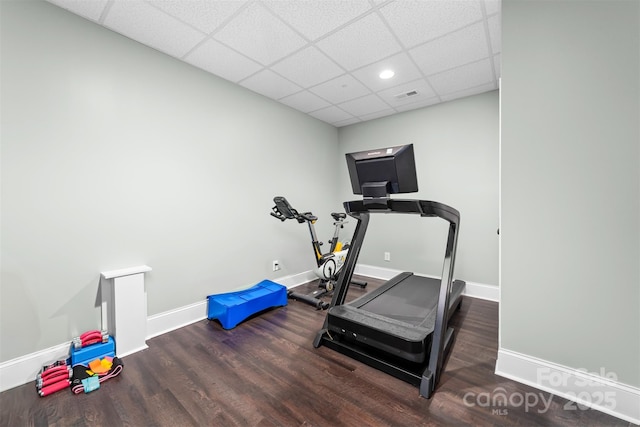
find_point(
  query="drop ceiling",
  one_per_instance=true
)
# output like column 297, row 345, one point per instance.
column 323, row 57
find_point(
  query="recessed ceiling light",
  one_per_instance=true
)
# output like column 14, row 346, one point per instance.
column 387, row 74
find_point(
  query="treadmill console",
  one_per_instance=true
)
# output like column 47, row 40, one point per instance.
column 378, row 173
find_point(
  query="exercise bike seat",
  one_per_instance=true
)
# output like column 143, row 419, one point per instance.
column 338, row 215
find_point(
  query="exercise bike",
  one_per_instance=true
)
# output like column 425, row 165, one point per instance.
column 329, row 264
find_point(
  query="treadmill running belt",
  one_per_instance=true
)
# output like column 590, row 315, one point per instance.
column 411, row 301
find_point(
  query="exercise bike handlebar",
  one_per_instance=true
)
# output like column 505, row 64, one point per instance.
column 283, row 211
column 277, row 215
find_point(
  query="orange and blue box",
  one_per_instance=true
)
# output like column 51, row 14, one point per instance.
column 85, row 355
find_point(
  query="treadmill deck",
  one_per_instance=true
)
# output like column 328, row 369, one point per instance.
column 397, row 318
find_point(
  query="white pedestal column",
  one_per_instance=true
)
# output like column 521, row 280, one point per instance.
column 124, row 308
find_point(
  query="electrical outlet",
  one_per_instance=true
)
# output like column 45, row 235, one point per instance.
column 276, row 265
column 387, row 256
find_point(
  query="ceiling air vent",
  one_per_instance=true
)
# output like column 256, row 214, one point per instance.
column 406, row 94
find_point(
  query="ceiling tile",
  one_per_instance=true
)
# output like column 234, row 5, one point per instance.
column 420, row 86
column 314, row 19
column 331, row 114
column 418, row 104
column 464, row 77
column 418, row 21
column 346, row 122
column 455, row 49
column 222, row 61
column 378, row 114
column 401, row 64
column 258, row 34
column 471, row 91
column 361, row 43
column 308, row 67
column 340, row 89
column 270, row 84
column 205, row 15
column 495, row 33
column 365, row 105
column 146, row 24
column 496, row 66
column 305, row 101
column 87, row 9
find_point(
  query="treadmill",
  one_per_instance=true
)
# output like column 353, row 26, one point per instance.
column 401, row 328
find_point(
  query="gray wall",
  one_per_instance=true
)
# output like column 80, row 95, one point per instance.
column 456, row 149
column 115, row 155
column 570, row 288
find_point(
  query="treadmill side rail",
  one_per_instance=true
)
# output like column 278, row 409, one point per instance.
column 438, row 345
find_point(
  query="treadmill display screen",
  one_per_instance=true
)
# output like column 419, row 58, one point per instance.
column 384, row 171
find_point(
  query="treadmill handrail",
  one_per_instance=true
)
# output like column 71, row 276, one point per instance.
column 425, row 208
column 360, row 210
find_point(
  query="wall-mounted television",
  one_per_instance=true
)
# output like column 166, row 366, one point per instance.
column 383, row 171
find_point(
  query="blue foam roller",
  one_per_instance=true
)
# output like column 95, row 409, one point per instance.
column 233, row 307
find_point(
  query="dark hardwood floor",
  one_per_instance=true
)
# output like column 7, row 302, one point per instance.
column 266, row 372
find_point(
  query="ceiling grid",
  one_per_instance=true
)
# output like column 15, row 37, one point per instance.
column 323, row 57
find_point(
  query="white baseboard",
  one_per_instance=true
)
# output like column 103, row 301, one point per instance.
column 171, row 320
column 474, row 290
column 376, row 272
column 296, row 279
column 23, row 370
column 482, row 291
column 600, row 391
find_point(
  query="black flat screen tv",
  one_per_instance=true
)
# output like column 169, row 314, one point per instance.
column 383, row 171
